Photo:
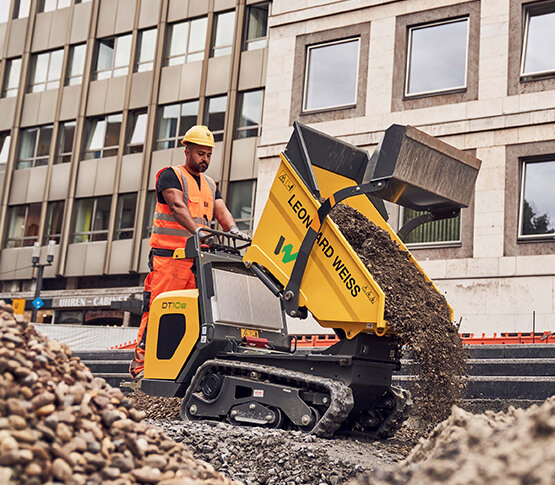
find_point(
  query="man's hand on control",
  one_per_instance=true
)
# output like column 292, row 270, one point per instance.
column 236, row 232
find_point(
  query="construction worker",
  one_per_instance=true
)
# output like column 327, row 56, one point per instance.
column 186, row 199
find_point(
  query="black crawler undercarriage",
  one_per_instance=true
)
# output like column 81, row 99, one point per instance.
column 323, row 393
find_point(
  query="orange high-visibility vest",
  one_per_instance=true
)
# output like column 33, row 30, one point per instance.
column 167, row 233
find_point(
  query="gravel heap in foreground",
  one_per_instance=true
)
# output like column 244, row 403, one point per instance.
column 517, row 447
column 59, row 424
column 415, row 311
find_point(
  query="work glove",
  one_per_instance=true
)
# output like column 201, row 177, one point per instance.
column 209, row 241
column 236, row 232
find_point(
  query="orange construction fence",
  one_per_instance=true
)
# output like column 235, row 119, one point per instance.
column 467, row 338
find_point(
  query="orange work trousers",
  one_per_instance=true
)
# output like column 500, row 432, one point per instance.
column 166, row 274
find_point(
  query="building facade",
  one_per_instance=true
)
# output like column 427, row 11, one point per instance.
column 96, row 94
column 95, row 98
column 477, row 75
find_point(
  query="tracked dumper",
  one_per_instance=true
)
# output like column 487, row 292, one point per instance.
column 224, row 347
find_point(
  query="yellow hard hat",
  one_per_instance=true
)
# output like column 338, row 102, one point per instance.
column 199, row 135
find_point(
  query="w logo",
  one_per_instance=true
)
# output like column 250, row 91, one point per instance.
column 286, row 250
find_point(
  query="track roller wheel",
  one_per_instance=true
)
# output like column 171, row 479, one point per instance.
column 310, row 420
column 211, row 385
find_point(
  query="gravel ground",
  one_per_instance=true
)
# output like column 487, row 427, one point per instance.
column 259, row 456
column 270, row 456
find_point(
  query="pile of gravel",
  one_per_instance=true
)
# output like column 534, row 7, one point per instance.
column 514, row 447
column 415, row 311
column 59, row 424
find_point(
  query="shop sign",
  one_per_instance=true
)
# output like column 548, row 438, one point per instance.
column 86, row 301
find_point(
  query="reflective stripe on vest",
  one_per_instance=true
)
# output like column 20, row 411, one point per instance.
column 166, row 231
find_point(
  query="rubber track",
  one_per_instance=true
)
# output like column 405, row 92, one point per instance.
column 397, row 417
column 341, row 395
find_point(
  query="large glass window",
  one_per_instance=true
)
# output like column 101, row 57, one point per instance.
column 49, row 5
column 34, row 147
column 256, row 35
column 437, row 57
column 240, row 202
column 112, row 57
column 186, row 41
column 443, row 231
column 11, row 78
column 102, row 136
column 149, row 213
column 222, row 37
column 214, row 116
column 249, row 119
column 90, row 219
column 76, row 64
column 21, row 8
column 331, row 75
column 23, row 225
column 54, row 221
column 66, row 134
column 5, row 140
column 173, row 121
column 136, row 131
column 46, row 71
column 146, row 50
column 125, row 218
column 537, row 204
column 539, row 38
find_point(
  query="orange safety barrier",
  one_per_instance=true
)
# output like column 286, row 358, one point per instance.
column 127, row 345
column 467, row 338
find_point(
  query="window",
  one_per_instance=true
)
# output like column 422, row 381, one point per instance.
column 76, row 65
column 112, row 57
column 49, row 5
column 249, row 119
column 539, row 37
column 537, row 205
column 11, row 78
column 331, row 75
column 5, row 140
column 437, row 57
column 186, row 41
column 21, row 8
column 240, row 202
column 66, row 134
column 102, row 136
column 222, row 37
column 214, row 116
column 257, row 26
column 54, row 221
column 90, row 219
column 125, row 217
column 136, row 131
column 4, row 10
column 146, row 50
column 34, row 147
column 46, row 71
column 443, row 231
column 23, row 225
column 173, row 121
column 149, row 213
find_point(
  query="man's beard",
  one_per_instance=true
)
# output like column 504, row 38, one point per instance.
column 202, row 167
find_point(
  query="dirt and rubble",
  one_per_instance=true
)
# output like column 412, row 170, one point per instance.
column 516, row 447
column 415, row 311
column 258, row 456
column 59, row 424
